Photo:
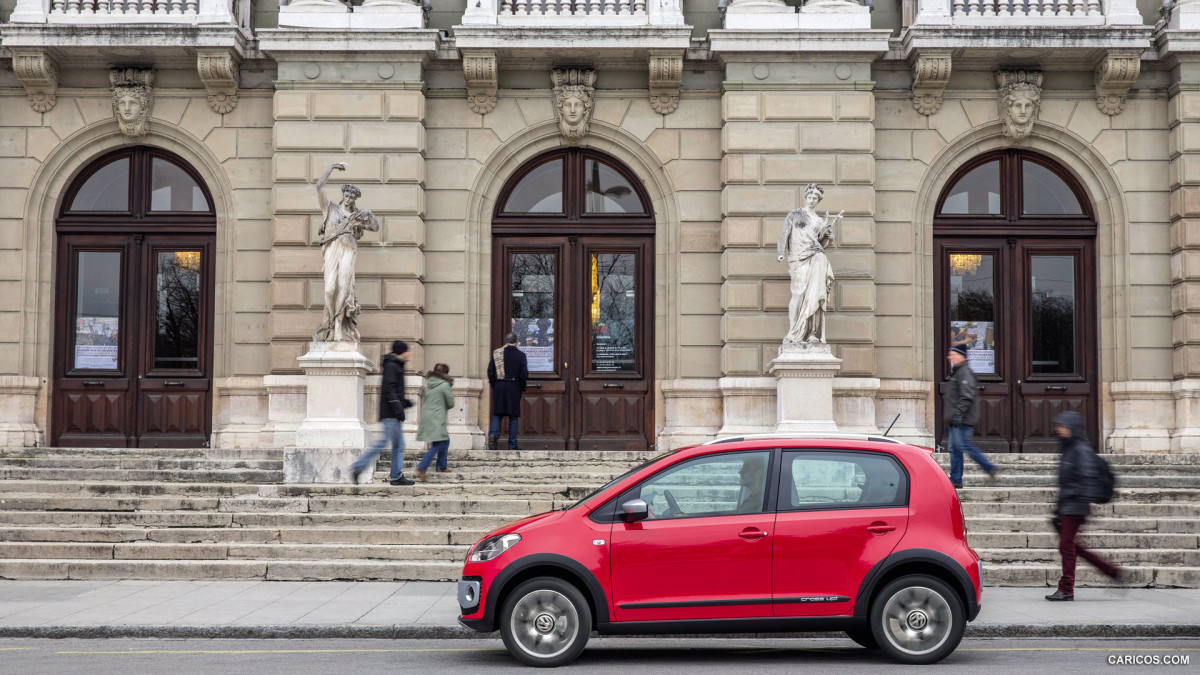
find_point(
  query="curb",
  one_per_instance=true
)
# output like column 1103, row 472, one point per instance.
column 436, row 632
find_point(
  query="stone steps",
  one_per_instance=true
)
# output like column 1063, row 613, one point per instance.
column 98, row 513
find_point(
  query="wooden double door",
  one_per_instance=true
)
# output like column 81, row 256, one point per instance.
column 1025, row 310
column 581, row 308
column 133, row 345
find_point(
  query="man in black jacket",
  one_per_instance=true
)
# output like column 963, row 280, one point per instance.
column 960, row 410
column 1078, row 488
column 391, row 412
column 507, row 372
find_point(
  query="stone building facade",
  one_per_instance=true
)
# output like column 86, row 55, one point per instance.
column 714, row 117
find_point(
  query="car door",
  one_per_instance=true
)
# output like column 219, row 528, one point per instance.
column 704, row 552
column 839, row 513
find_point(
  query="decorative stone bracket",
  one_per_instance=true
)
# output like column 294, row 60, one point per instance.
column 666, row 77
column 930, row 73
column 219, row 73
column 482, row 80
column 39, row 73
column 1115, row 74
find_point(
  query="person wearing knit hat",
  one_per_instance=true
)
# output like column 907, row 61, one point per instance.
column 391, row 412
column 960, row 411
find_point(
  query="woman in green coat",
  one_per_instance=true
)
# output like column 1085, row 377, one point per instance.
column 436, row 401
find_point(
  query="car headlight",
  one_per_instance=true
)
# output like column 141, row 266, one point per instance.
column 491, row 548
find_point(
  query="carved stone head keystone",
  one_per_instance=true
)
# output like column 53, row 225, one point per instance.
column 131, row 99
column 1020, row 101
column 573, row 90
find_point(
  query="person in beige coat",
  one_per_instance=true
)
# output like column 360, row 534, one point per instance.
column 436, row 401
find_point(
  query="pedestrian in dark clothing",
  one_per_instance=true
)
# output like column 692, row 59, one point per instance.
column 1078, row 488
column 960, row 411
column 391, row 412
column 508, row 372
column 436, row 402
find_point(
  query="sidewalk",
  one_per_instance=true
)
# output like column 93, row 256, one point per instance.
column 346, row 609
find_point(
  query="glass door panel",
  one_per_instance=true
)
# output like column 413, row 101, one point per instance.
column 612, row 313
column 973, row 308
column 1052, row 302
column 98, row 292
column 177, row 300
column 533, row 293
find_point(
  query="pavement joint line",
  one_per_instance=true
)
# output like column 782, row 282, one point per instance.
column 249, row 587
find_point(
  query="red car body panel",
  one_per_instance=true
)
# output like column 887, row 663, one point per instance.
column 698, row 569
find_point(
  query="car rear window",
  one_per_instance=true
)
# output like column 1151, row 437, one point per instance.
column 832, row 479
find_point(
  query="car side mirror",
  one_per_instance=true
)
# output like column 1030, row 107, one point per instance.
column 634, row 510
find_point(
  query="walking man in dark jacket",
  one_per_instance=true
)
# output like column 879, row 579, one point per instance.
column 1078, row 488
column 960, row 410
column 507, row 372
column 391, row 412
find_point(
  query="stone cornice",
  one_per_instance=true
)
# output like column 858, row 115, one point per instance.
column 1050, row 47
column 537, row 47
column 798, row 44
column 164, row 45
column 286, row 44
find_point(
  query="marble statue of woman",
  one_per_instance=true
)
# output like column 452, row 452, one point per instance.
column 802, row 242
column 341, row 229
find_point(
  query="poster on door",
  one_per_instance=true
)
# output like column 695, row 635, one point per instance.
column 979, row 338
column 96, row 342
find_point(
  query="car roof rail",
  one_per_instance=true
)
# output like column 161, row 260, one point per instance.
column 804, row 435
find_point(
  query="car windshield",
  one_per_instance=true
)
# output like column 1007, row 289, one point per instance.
column 618, row 479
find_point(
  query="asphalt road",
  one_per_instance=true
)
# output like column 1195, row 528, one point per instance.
column 604, row 655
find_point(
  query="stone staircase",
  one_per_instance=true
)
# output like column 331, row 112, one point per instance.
column 224, row 514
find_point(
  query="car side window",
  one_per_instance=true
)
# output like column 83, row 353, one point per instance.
column 821, row 480
column 714, row 485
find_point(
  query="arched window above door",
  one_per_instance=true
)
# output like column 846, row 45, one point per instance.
column 1014, row 186
column 142, row 183
column 573, row 185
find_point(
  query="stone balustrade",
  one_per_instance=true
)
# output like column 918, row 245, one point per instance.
column 131, row 12
column 573, row 13
column 1019, row 14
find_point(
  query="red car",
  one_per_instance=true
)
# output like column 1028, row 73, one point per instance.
column 747, row 535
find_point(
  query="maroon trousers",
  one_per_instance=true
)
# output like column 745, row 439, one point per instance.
column 1069, row 550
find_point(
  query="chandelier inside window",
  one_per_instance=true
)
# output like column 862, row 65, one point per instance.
column 962, row 264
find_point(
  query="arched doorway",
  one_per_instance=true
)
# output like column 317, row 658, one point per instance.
column 134, row 305
column 573, row 266
column 1014, row 245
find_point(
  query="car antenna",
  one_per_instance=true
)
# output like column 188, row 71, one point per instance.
column 891, row 425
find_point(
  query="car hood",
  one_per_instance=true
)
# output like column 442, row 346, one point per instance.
column 517, row 526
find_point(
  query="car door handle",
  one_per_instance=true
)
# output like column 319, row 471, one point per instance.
column 880, row 528
column 752, row 534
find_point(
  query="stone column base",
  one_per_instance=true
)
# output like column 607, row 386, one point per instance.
column 804, row 388
column 854, row 404
column 909, row 404
column 334, row 418
column 748, row 405
column 18, row 411
column 692, row 412
column 1143, row 412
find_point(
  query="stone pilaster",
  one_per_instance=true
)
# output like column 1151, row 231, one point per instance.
column 1184, row 148
column 787, row 125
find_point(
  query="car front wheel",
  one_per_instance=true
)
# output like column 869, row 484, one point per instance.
column 918, row 620
column 545, row 622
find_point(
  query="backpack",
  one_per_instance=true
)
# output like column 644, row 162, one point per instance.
column 1106, row 481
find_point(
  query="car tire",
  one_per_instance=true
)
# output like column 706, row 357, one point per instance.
column 863, row 637
column 545, row 622
column 917, row 620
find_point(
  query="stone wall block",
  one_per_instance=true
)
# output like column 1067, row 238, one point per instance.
column 291, row 167
column 699, row 237
column 776, row 294
column 1141, row 176
column 404, row 230
column 283, row 355
column 664, row 143
column 856, row 360
column 392, row 323
column 387, row 136
column 289, row 230
column 753, row 263
column 406, row 105
column 695, row 174
column 741, row 232
column 856, row 169
column 1185, row 201
column 1185, row 361
column 360, row 167
column 855, row 232
column 855, row 200
column 287, row 294
column 403, row 294
column 741, row 359
column 699, row 330
column 849, row 327
column 855, row 105
column 12, row 142
column 1185, row 298
column 843, row 137
column 700, row 143
column 293, row 105
column 893, row 144
column 898, row 113
column 855, row 296
column 451, row 113
column 742, row 106
column 790, row 106
column 741, row 169
column 741, row 294
column 758, row 137
column 799, row 169
column 408, row 167
column 926, row 146
column 310, row 136
column 390, row 261
column 744, row 200
column 347, row 105
column 1185, row 233
column 858, row 263
column 753, row 326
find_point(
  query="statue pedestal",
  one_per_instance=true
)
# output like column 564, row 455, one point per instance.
column 804, row 387
column 334, row 432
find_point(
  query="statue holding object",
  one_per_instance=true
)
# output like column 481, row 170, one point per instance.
column 802, row 243
column 342, row 227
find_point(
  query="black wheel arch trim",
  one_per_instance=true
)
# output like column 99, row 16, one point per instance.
column 592, row 588
column 862, row 605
